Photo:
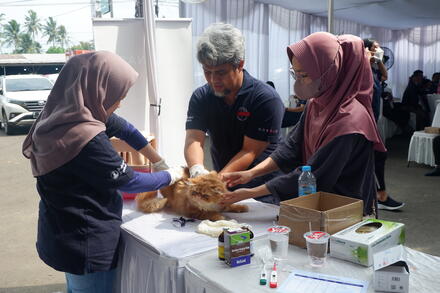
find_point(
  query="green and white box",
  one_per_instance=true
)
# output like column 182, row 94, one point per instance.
column 361, row 241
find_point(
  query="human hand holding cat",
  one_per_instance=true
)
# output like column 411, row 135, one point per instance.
column 197, row 170
column 176, row 174
column 236, row 196
column 235, row 178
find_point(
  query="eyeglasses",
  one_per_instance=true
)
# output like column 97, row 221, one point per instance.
column 297, row 76
column 181, row 222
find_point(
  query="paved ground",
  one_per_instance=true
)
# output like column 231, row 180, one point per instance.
column 22, row 271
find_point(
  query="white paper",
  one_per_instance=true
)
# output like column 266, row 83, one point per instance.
column 301, row 281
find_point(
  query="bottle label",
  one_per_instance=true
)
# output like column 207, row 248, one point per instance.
column 221, row 251
column 306, row 189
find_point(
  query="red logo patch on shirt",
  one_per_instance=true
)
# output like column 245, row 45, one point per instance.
column 243, row 114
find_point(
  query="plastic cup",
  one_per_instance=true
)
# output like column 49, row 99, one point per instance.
column 317, row 244
column 279, row 242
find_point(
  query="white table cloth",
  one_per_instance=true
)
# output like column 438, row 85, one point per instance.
column 432, row 103
column 206, row 274
column 420, row 148
column 154, row 252
column 436, row 118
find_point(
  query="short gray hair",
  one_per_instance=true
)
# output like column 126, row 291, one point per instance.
column 220, row 44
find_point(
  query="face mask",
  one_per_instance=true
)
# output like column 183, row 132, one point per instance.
column 307, row 91
column 379, row 53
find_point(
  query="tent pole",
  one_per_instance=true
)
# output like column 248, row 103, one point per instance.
column 330, row 17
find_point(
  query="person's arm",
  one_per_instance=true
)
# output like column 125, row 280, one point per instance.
column 196, row 127
column 124, row 130
column 100, row 166
column 251, row 149
column 194, row 142
column 327, row 165
column 243, row 177
column 383, row 71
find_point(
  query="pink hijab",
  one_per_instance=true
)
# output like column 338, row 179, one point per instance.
column 344, row 103
column 75, row 111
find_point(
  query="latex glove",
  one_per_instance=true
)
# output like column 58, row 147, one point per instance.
column 197, row 170
column 176, row 174
column 160, row 166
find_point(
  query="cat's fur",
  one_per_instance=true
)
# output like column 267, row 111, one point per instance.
column 196, row 198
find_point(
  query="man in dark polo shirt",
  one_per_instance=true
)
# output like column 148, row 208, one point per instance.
column 241, row 114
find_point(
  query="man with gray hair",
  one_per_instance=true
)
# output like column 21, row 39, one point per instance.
column 241, row 114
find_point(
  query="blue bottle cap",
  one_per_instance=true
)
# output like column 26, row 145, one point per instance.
column 306, row 168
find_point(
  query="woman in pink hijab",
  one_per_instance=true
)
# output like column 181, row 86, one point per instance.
column 337, row 134
column 79, row 173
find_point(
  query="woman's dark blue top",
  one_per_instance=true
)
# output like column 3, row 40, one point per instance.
column 80, row 208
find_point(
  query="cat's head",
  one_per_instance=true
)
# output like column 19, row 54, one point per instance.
column 205, row 191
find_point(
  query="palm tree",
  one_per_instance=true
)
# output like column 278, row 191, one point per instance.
column 50, row 30
column 62, row 36
column 32, row 24
column 27, row 45
column 11, row 33
column 2, row 17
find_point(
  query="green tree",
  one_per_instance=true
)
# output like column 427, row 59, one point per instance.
column 32, row 24
column 2, row 17
column 50, row 30
column 83, row 46
column 55, row 50
column 62, row 36
column 27, row 45
column 11, row 33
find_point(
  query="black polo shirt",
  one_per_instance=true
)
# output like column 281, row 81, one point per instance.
column 256, row 113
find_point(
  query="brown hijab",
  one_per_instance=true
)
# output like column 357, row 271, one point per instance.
column 75, row 111
column 344, row 103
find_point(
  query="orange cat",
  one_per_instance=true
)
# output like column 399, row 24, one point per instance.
column 196, row 198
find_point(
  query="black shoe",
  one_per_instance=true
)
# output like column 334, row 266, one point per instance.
column 435, row 172
column 390, row 204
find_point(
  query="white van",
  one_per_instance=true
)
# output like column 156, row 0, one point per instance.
column 22, row 97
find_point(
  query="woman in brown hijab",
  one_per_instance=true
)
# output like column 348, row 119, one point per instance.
column 79, row 174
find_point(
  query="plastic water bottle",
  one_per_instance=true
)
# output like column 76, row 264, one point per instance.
column 306, row 182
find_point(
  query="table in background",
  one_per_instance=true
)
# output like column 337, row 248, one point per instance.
column 433, row 99
column 420, row 148
column 206, row 274
column 154, row 252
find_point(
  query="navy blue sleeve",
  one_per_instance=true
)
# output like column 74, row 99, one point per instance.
column 142, row 182
column 122, row 129
column 99, row 165
column 196, row 115
column 266, row 118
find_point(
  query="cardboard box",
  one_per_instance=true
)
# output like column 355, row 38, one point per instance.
column 434, row 130
column 237, row 247
column 320, row 211
column 360, row 242
column 391, row 272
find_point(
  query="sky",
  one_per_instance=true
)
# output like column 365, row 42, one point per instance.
column 75, row 15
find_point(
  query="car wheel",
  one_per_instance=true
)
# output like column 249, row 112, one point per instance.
column 8, row 129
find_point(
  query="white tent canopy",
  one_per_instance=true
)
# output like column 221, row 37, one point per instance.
column 269, row 26
column 392, row 14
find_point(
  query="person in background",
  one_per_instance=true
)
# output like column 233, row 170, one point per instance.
column 291, row 114
column 380, row 75
column 336, row 135
column 434, row 83
column 414, row 101
column 436, row 150
column 79, row 174
column 241, row 114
